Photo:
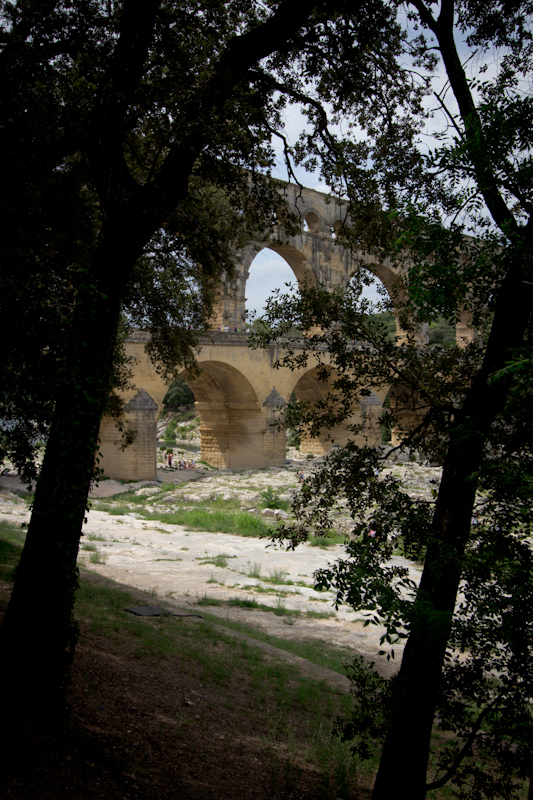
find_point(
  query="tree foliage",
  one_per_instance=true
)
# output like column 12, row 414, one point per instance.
column 179, row 394
column 138, row 143
column 453, row 216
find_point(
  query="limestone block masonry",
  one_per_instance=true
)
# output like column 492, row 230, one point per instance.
column 139, row 458
column 239, row 394
column 239, row 404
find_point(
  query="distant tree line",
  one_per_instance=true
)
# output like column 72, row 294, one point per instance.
column 441, row 331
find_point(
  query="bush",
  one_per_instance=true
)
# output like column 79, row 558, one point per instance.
column 294, row 439
column 273, row 500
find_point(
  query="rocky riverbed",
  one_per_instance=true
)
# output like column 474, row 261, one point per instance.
column 128, row 537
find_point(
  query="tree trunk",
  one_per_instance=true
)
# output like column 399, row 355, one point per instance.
column 405, row 754
column 38, row 633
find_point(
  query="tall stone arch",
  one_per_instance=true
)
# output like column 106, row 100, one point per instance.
column 314, row 254
column 365, row 414
column 236, row 430
column 239, row 395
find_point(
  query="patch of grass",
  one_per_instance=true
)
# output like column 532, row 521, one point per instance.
column 27, row 496
column 197, row 519
column 115, row 511
column 220, row 560
column 103, row 601
column 101, row 604
column 12, row 532
column 95, row 537
column 255, row 571
column 326, row 541
column 264, row 590
column 98, row 557
column 213, row 502
column 208, row 600
column 279, row 609
column 278, row 577
column 245, row 602
column 168, row 559
column 320, row 614
column 219, row 502
column 278, row 688
column 333, row 657
column 253, row 587
column 212, row 579
column 89, row 546
column 11, row 542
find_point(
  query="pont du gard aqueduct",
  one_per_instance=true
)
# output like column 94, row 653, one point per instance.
column 239, row 394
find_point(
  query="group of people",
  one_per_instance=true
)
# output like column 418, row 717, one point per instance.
column 169, row 462
column 226, row 329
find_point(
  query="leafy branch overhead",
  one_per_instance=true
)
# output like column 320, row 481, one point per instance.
column 137, row 146
column 448, row 209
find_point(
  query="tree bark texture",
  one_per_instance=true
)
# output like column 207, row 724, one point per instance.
column 38, row 633
column 405, row 753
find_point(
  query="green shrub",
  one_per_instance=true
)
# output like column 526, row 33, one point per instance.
column 273, row 500
column 294, row 439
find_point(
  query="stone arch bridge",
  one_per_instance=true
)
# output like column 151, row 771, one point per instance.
column 239, row 394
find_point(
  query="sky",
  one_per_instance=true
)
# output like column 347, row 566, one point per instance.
column 269, row 270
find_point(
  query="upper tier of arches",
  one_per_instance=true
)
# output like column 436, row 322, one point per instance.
column 315, row 255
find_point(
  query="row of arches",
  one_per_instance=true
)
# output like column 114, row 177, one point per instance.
column 270, row 270
column 238, row 394
column 238, row 416
column 312, row 255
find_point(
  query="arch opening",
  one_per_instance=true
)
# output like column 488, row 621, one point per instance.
column 268, row 271
column 178, row 426
column 313, row 222
column 366, row 414
column 385, row 292
column 234, row 431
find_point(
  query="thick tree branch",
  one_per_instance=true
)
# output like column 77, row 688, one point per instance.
column 106, row 153
column 476, row 143
column 463, row 752
column 241, row 54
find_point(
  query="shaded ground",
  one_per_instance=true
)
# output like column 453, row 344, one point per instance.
column 180, row 707
column 176, row 708
column 217, row 572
